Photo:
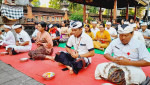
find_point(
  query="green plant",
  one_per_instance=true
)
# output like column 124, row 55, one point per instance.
column 89, row 19
column 76, row 17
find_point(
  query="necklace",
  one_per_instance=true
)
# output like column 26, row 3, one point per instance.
column 78, row 43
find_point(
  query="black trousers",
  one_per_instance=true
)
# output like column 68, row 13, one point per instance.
column 67, row 59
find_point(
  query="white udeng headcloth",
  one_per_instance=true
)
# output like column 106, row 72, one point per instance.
column 125, row 30
column 6, row 26
column 16, row 26
column 76, row 25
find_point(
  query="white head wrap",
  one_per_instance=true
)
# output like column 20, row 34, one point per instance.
column 16, row 26
column 126, row 22
column 76, row 25
column 50, row 26
column 144, row 24
column 108, row 23
column 124, row 30
column 94, row 22
column 8, row 27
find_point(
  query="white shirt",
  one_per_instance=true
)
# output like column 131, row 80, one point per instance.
column 23, row 37
column 145, row 33
column 95, row 31
column 138, row 35
column 8, row 38
column 112, row 31
column 59, row 30
column 83, row 44
column 134, row 50
column 35, row 33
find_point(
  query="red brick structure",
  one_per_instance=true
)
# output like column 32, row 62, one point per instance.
column 38, row 14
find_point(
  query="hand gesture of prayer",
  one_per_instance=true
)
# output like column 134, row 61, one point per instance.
column 75, row 54
column 121, row 60
column 38, row 43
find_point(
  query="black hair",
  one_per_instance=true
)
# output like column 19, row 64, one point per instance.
column 137, row 20
column 124, row 26
column 103, row 25
column 36, row 23
column 131, row 32
column 43, row 24
column 88, row 27
column 56, row 25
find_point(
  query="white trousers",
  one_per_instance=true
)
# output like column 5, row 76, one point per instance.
column 19, row 49
column 4, row 43
column 133, row 75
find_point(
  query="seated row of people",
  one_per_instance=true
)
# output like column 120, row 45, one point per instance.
column 129, row 53
column 142, row 34
column 23, row 42
column 58, row 35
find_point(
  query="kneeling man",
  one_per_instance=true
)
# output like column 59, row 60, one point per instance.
column 80, row 57
column 129, row 55
column 23, row 43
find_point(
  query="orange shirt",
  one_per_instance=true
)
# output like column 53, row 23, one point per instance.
column 104, row 35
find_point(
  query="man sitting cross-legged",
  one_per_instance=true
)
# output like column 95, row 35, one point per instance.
column 23, row 43
column 130, row 55
column 80, row 57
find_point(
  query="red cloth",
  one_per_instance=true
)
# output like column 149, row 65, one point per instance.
column 36, row 69
column 53, row 31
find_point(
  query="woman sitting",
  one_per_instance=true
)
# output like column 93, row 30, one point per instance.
column 65, row 33
column 88, row 31
column 103, row 38
column 44, row 44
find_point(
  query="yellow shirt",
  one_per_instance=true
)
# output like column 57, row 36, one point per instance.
column 90, row 34
column 104, row 35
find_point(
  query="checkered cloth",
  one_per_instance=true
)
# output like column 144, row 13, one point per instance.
column 12, row 12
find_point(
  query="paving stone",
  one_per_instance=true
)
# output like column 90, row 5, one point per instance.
column 6, row 79
column 17, row 75
column 32, row 82
column 11, row 76
column 12, row 71
column 6, row 67
column 13, row 82
column 1, row 71
column 4, row 74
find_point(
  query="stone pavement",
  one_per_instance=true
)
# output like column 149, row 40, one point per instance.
column 11, row 76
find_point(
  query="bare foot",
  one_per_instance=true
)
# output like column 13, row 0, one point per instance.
column 60, row 64
column 50, row 58
column 10, row 51
column 3, row 53
column 70, row 69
